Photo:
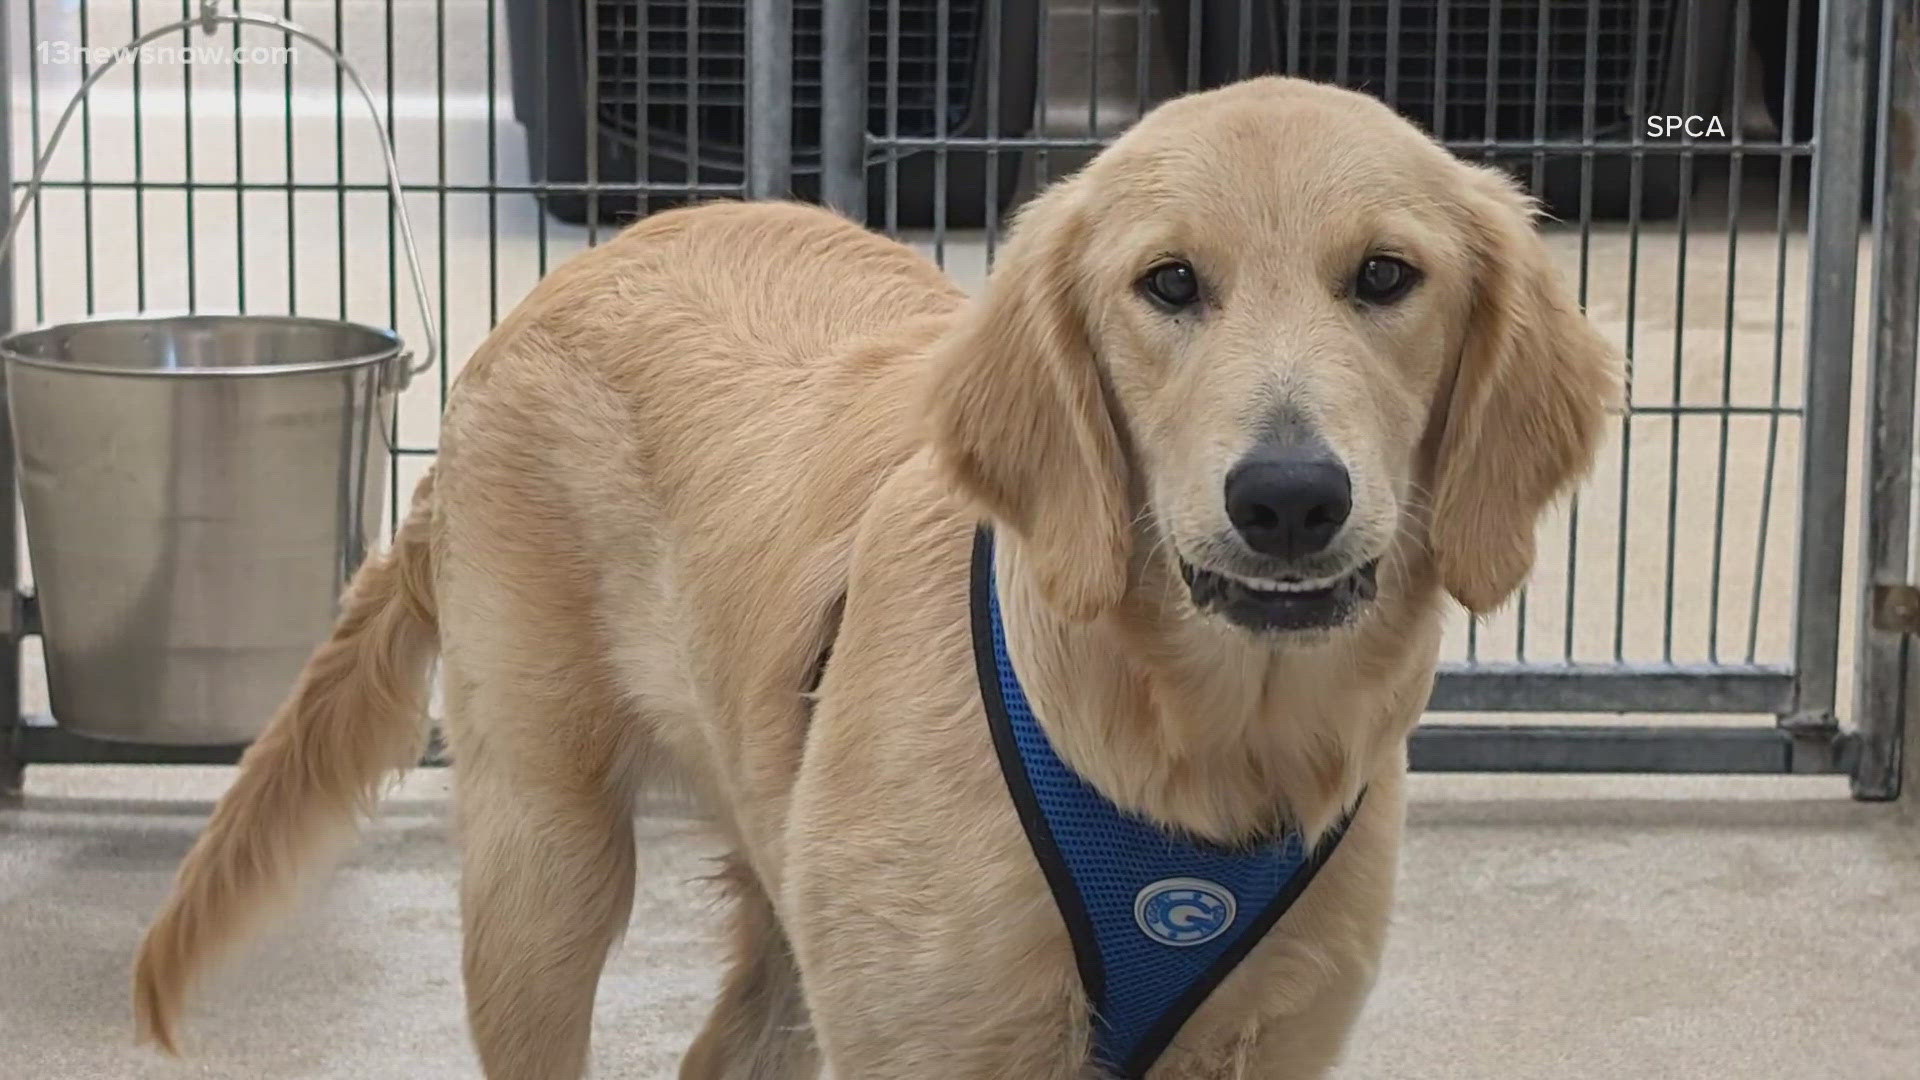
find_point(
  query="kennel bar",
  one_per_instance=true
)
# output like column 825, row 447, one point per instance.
column 1840, row 136
column 843, row 108
column 769, row 91
column 13, row 629
column 1889, row 610
column 1459, row 146
column 1622, row 748
column 1493, row 686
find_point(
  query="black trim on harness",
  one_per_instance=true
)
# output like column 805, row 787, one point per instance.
column 1086, row 949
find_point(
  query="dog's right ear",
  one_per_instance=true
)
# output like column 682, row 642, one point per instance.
column 1019, row 416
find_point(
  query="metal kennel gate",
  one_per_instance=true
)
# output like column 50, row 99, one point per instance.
column 1700, row 574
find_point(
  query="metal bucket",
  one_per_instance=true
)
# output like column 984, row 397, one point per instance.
column 196, row 491
column 197, row 488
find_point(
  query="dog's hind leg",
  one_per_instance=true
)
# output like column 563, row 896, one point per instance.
column 758, row 1029
column 545, row 811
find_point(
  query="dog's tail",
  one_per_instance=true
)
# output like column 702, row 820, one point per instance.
column 356, row 716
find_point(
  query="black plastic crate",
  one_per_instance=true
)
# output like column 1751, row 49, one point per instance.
column 666, row 81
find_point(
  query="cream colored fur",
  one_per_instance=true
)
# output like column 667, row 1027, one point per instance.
column 661, row 471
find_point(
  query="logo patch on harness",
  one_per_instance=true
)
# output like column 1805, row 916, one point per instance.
column 1183, row 911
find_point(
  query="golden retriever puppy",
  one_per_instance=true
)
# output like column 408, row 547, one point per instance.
column 1242, row 403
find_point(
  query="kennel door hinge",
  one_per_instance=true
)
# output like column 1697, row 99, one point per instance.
column 1896, row 609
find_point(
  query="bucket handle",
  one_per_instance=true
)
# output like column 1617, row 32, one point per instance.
column 207, row 19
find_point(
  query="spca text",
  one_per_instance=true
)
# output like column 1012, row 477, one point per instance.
column 1695, row 127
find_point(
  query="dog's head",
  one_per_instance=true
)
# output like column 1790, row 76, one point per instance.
column 1272, row 336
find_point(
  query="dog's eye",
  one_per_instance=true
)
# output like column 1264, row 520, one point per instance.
column 1173, row 284
column 1382, row 279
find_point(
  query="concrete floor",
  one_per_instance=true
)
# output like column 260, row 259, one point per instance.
column 1557, row 929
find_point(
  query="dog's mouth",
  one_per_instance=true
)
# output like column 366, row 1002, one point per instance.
column 1281, row 604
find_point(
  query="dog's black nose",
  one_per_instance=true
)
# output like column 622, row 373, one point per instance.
column 1289, row 503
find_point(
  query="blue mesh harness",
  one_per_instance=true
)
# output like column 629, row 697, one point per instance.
column 1157, row 920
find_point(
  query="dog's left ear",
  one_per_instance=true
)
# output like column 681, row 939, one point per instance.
column 1529, row 399
column 1019, row 416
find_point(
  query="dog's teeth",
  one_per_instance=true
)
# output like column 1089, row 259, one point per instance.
column 1269, row 585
